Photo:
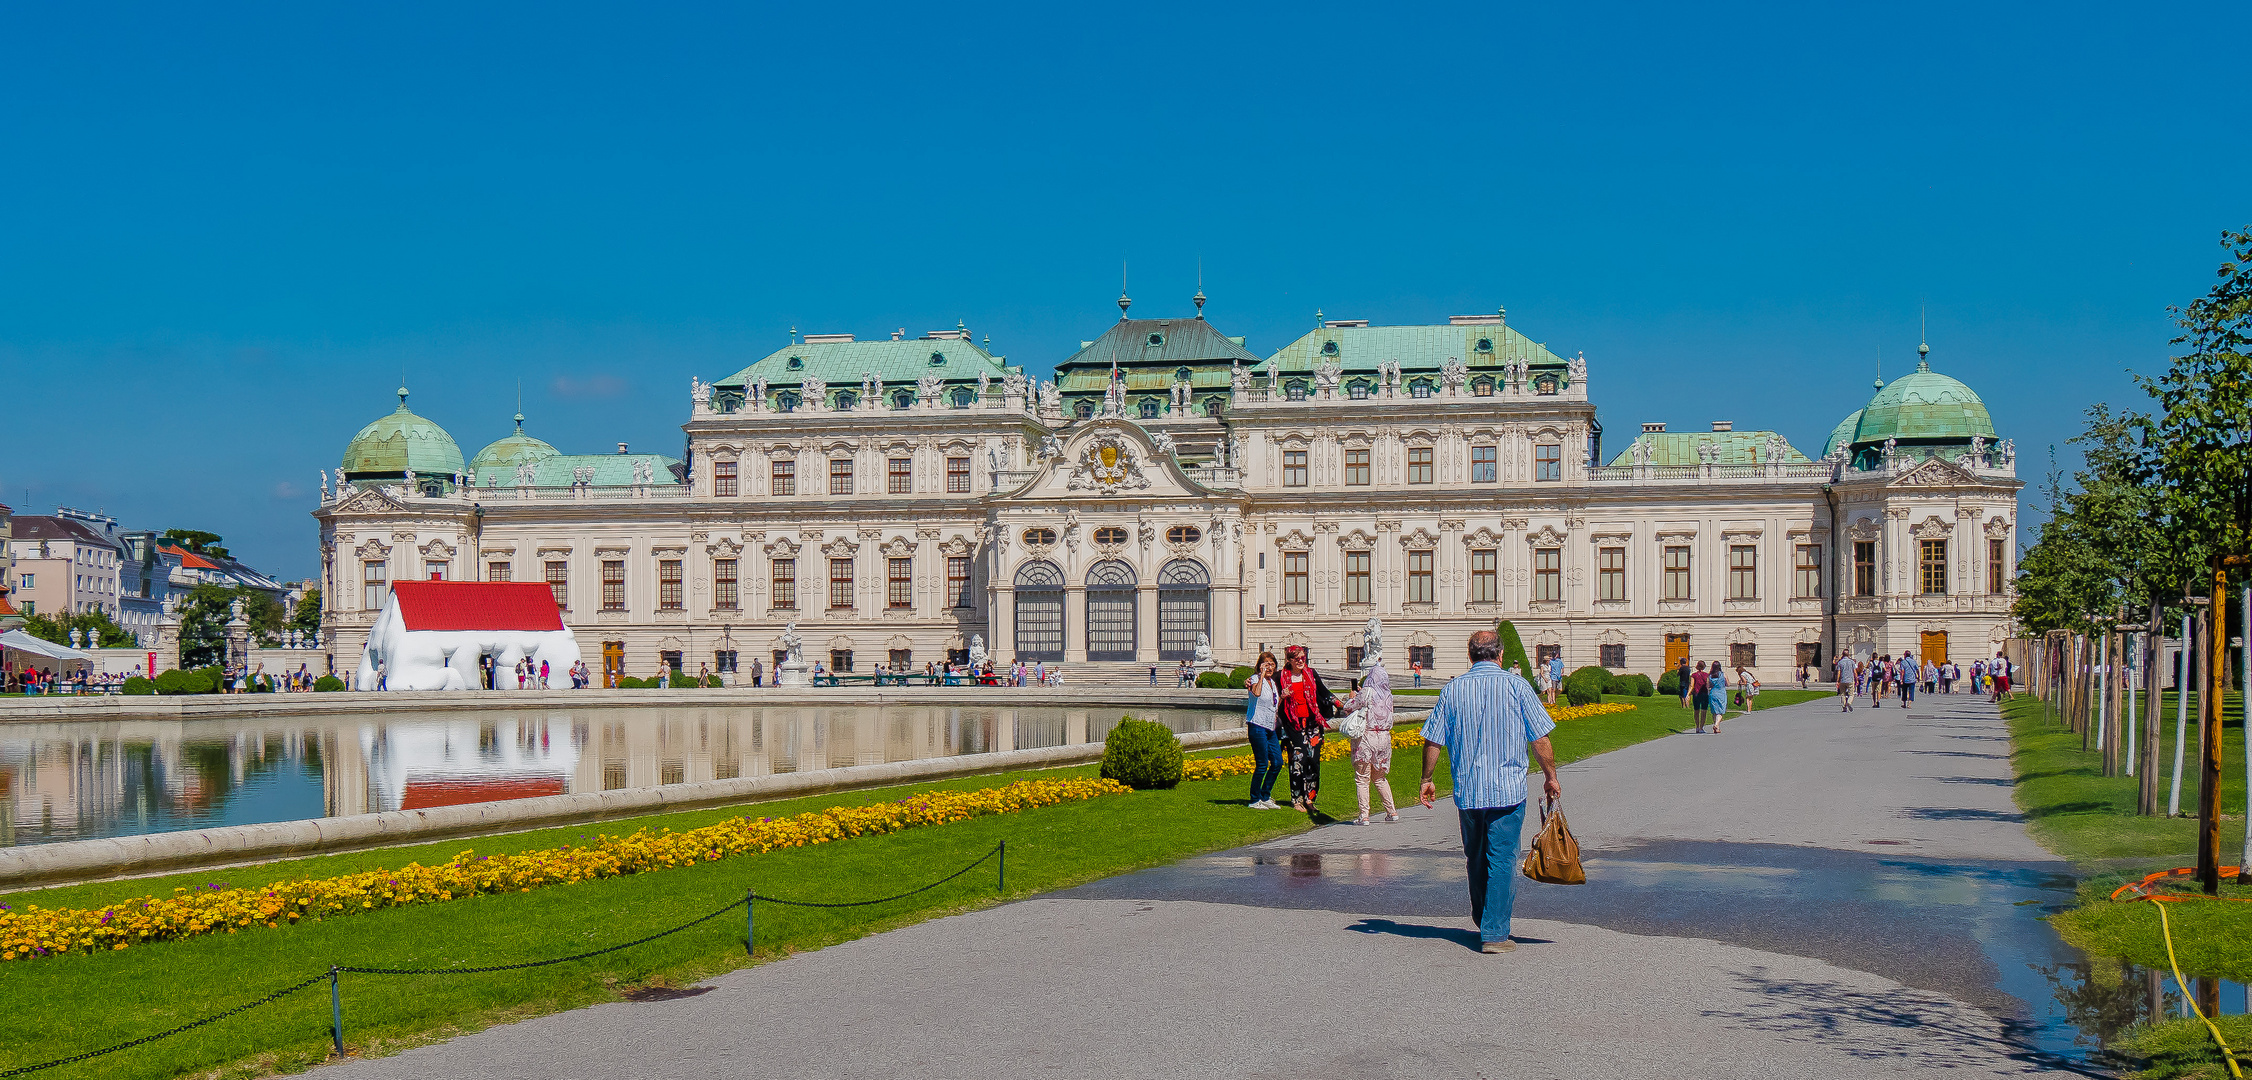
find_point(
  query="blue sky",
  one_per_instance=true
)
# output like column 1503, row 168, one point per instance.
column 226, row 230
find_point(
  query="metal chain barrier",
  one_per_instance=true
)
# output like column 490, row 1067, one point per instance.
column 333, row 974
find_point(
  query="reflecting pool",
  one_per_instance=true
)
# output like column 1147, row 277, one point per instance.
column 80, row 781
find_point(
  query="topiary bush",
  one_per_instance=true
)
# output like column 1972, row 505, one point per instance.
column 1669, row 683
column 214, row 679
column 1642, row 687
column 174, row 681
column 139, row 686
column 1142, row 755
column 1240, row 677
column 1212, row 680
column 1513, row 651
column 327, row 684
column 628, row 682
column 1585, row 686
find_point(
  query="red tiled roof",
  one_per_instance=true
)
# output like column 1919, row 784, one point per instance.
column 188, row 559
column 477, row 605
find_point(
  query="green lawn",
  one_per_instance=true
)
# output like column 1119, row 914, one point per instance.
column 92, row 1001
column 2088, row 818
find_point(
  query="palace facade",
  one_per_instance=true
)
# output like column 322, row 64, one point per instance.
column 901, row 499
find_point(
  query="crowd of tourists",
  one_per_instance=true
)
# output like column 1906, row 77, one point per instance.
column 1898, row 678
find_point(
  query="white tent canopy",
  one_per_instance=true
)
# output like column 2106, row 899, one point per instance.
column 22, row 641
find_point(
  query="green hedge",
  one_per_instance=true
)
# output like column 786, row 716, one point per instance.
column 198, row 681
column 1240, row 677
column 327, row 684
column 1212, row 680
column 137, row 685
column 1513, row 651
column 1142, row 755
column 1629, row 685
column 1669, row 683
column 1585, row 686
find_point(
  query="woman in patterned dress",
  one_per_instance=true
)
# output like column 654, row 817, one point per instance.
column 1305, row 703
column 1372, row 752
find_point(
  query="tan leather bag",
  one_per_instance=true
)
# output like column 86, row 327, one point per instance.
column 1555, row 856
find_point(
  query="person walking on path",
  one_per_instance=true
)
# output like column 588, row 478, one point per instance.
column 1304, row 707
column 1698, row 696
column 1843, row 669
column 1266, row 747
column 1489, row 720
column 1747, row 688
column 1718, row 686
column 1682, row 674
column 1372, row 752
column 1907, row 679
column 1555, row 676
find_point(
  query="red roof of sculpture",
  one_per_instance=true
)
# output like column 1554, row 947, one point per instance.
column 477, row 605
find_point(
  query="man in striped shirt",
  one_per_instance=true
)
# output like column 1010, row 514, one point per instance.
column 1488, row 720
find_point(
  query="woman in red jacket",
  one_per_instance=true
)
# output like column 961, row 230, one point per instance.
column 1304, row 707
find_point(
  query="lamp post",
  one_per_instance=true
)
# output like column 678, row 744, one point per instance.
column 727, row 642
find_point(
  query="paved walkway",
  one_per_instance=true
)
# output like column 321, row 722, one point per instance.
column 1808, row 894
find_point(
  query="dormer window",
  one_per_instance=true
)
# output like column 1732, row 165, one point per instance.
column 786, row 401
column 846, row 400
column 1482, row 386
column 1329, row 348
column 796, row 362
column 938, row 359
column 1420, row 388
column 963, row 397
column 1182, row 374
column 903, row 399
column 1084, row 410
column 1294, row 390
column 1156, row 340
column 1485, row 344
column 1546, row 384
column 1357, row 389
column 1149, row 408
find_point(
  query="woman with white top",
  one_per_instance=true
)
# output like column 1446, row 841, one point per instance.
column 1266, row 746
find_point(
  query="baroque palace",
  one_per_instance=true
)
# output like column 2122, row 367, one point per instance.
column 901, row 500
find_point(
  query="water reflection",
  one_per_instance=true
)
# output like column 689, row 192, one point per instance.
column 2106, row 998
column 63, row 782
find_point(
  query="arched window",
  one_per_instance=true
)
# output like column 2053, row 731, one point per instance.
column 1149, row 408
column 1419, row 388
column 1084, row 410
column 1184, row 608
column 847, row 400
column 964, row 397
column 1039, row 611
column 786, row 401
column 1357, row 389
column 1482, row 386
column 1294, row 390
column 903, row 399
column 1111, row 611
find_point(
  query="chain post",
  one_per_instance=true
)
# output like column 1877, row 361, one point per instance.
column 750, row 922
column 1001, row 882
column 336, row 1007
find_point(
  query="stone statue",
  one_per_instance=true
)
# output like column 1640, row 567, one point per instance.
column 324, row 483
column 1578, row 369
column 812, row 392
column 1203, row 650
column 984, row 384
column 1327, row 375
column 2006, row 452
column 524, row 475
column 1891, row 450
column 1239, row 379
column 1235, row 450
column 977, row 650
column 1051, row 448
column 1163, row 441
column 1012, row 384
column 1274, row 379
column 758, row 394
column 699, row 394
column 1777, row 448
column 410, row 482
column 1454, row 374
column 793, row 646
column 993, row 458
column 1048, row 396
column 1114, row 397
column 927, row 388
column 871, row 394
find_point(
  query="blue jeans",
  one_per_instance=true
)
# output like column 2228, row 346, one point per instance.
column 1489, row 841
column 1266, row 762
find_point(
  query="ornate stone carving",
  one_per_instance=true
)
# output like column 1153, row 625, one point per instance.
column 840, row 548
column 782, row 547
column 1481, row 537
column 1108, row 465
column 1356, row 541
column 1545, row 536
column 1933, row 528
column 1294, row 541
column 1419, row 540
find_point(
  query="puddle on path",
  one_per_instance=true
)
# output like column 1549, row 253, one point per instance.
column 1971, row 930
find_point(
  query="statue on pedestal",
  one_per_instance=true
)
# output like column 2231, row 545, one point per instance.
column 1203, row 650
column 977, row 650
column 1372, row 644
column 792, row 670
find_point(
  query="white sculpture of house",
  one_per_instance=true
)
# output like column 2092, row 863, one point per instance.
column 431, row 635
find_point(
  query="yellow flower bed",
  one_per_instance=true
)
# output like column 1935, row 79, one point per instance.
column 36, row 932
column 1340, row 748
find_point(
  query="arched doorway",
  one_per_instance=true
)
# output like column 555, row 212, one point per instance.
column 1110, row 611
column 1184, row 608
column 1039, row 612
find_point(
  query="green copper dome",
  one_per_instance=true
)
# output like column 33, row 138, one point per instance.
column 517, row 449
column 1923, row 406
column 1841, row 435
column 399, row 442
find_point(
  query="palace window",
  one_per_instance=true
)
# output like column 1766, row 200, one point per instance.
column 1932, row 557
column 1085, row 410
column 613, row 584
column 1039, row 537
column 1183, row 534
column 1420, row 578
column 1294, row 468
column 1548, row 462
column 1215, row 407
column 723, row 479
column 374, row 583
column 1807, row 579
column 786, row 401
column 1419, row 465
column 1357, row 389
column 958, row 476
column 899, row 587
column 1548, row 573
column 725, row 596
column 668, row 584
column 964, row 397
column 903, row 399
column 432, row 570
column 1294, row 390
column 1864, row 568
column 1485, row 467
column 1423, row 656
column 1610, row 574
column 723, row 662
column 1149, row 408
column 840, row 583
column 847, row 401
column 785, row 477
column 1356, row 577
column 1677, row 573
column 1743, row 655
column 1420, row 388
column 498, row 571
column 1482, row 386
column 901, row 476
column 1611, row 656
column 559, row 582
column 840, row 660
column 1295, row 589
column 1743, row 572
column 1996, row 553
column 958, row 581
column 1485, row 580
column 785, row 584
column 1356, row 468
column 1110, row 536
column 840, row 476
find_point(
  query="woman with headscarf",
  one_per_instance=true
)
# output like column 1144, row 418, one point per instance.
column 1306, row 704
column 1372, row 752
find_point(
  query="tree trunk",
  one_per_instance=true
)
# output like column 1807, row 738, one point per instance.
column 2152, row 642
column 2209, row 716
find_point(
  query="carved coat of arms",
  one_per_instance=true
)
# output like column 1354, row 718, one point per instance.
column 1107, row 465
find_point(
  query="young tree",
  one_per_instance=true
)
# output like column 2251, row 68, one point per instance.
column 307, row 618
column 198, row 541
column 104, row 631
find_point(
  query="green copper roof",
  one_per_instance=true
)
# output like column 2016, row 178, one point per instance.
column 1841, row 435
column 399, row 442
column 897, row 363
column 513, row 450
column 610, row 470
column 1159, row 346
column 1680, row 448
column 1418, row 348
column 1923, row 405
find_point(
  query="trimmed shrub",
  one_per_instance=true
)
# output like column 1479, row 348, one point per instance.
column 214, row 679
column 1585, row 686
column 1240, row 677
column 1212, row 680
column 1669, row 683
column 137, row 686
column 1142, row 755
column 1642, row 687
column 327, row 684
column 174, row 681
column 1513, row 651
column 628, row 682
